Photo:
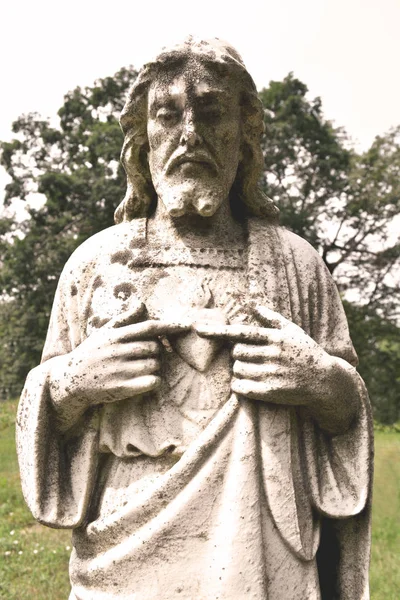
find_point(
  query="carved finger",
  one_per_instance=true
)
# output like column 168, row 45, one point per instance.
column 142, row 385
column 255, row 372
column 152, row 328
column 135, row 314
column 255, row 353
column 255, row 390
column 239, row 332
column 272, row 390
column 138, row 368
column 270, row 318
column 130, row 388
column 142, row 349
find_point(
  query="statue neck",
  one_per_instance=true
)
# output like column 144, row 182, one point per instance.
column 194, row 231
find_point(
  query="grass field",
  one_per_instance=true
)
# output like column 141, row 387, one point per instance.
column 385, row 556
column 34, row 559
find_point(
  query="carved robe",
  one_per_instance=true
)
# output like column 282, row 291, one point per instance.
column 193, row 492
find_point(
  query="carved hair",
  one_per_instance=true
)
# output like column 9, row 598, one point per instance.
column 245, row 196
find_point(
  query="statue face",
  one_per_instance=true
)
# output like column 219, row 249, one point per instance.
column 194, row 133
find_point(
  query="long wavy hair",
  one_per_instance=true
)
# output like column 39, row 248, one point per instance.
column 246, row 197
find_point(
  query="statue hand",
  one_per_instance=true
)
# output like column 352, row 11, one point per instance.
column 280, row 363
column 118, row 361
column 277, row 363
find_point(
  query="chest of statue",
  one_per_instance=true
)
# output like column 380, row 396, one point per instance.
column 174, row 285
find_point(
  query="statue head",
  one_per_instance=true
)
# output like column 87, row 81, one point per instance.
column 193, row 123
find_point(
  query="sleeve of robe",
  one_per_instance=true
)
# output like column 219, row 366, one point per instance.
column 338, row 468
column 57, row 466
column 311, row 477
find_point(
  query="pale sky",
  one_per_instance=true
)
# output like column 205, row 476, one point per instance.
column 346, row 51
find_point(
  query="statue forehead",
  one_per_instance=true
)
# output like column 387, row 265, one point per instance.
column 197, row 62
column 213, row 50
column 192, row 77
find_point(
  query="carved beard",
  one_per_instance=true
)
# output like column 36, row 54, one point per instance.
column 201, row 196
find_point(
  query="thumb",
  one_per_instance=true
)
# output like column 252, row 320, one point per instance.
column 270, row 318
column 135, row 314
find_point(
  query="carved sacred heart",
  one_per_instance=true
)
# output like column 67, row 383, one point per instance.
column 199, row 352
column 189, row 298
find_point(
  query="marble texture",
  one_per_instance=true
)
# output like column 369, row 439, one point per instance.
column 197, row 418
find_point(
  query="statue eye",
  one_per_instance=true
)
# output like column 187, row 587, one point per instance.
column 167, row 115
column 210, row 111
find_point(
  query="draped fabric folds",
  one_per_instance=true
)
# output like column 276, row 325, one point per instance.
column 255, row 503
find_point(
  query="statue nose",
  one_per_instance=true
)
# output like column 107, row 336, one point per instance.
column 190, row 136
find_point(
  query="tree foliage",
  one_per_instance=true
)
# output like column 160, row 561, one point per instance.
column 377, row 341
column 75, row 167
column 343, row 202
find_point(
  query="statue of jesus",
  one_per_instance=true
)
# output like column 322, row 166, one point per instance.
column 197, row 418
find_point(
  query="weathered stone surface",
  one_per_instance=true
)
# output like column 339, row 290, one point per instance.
column 197, row 417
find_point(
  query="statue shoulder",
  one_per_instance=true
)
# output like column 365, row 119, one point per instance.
column 308, row 263
column 299, row 247
column 96, row 250
column 277, row 239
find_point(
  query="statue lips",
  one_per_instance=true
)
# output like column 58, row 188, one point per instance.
column 199, row 352
column 200, row 157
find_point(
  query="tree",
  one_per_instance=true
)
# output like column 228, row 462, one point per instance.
column 75, row 167
column 344, row 203
column 377, row 341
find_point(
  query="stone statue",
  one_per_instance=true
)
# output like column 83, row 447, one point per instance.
column 197, row 419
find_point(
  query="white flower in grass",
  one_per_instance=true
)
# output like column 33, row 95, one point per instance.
column 12, row 532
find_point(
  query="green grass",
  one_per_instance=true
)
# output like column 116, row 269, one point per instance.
column 34, row 559
column 385, row 556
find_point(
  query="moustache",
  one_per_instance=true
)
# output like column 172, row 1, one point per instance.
column 183, row 156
